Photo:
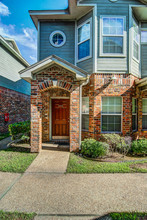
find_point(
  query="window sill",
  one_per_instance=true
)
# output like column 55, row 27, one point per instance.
column 85, row 130
column 113, row 55
column 137, row 61
column 111, row 132
column 83, row 59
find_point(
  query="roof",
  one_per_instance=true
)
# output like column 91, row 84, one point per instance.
column 29, row 73
column 13, row 44
column 73, row 12
column 141, row 84
column 17, row 54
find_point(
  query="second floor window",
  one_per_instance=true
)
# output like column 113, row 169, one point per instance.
column 84, row 41
column 136, row 40
column 112, row 36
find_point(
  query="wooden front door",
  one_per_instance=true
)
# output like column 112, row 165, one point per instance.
column 60, row 118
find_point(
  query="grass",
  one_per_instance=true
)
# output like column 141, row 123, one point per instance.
column 128, row 216
column 3, row 136
column 16, row 160
column 78, row 164
column 16, row 216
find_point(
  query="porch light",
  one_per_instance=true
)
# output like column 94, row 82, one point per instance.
column 113, row 77
column 54, row 82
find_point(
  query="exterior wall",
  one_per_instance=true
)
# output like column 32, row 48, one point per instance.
column 143, row 60
column 114, row 64
column 87, row 64
column 67, row 51
column 9, row 76
column 140, row 133
column 14, row 103
column 40, row 105
column 101, row 86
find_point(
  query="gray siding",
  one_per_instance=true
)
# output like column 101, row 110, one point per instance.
column 9, row 76
column 86, row 64
column 121, row 7
column 144, row 60
column 67, row 51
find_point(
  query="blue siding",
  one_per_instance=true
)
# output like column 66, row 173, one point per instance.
column 105, row 7
column 67, row 51
column 19, row 86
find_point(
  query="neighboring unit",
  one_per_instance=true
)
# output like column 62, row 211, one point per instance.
column 14, row 91
column 91, row 74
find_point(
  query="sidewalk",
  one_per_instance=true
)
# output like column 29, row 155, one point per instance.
column 46, row 190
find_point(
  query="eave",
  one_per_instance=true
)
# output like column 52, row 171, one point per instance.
column 141, row 84
column 14, row 52
column 73, row 12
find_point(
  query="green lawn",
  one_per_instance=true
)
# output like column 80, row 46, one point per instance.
column 3, row 136
column 78, row 164
column 16, row 160
column 128, row 216
column 16, row 216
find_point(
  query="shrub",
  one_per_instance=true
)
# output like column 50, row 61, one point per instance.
column 117, row 143
column 17, row 130
column 93, row 148
column 139, row 147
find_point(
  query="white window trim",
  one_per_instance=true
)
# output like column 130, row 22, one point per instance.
column 90, row 56
column 57, row 32
column 85, row 113
column 101, row 54
column 135, row 114
column 121, row 114
column 134, row 58
column 144, row 114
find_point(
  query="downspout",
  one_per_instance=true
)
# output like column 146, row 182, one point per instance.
column 80, row 126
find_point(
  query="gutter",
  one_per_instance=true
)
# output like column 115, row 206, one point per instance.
column 80, row 125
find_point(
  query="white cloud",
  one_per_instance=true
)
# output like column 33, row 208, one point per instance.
column 33, row 58
column 4, row 10
column 26, row 37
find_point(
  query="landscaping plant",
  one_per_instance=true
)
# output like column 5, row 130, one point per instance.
column 20, row 129
column 93, row 148
column 139, row 147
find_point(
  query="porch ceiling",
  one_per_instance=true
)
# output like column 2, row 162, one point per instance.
column 142, row 84
column 29, row 73
column 141, row 13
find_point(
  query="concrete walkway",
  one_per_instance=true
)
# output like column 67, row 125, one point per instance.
column 52, row 194
column 49, row 162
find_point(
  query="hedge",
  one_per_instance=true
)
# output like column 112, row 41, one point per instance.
column 19, row 128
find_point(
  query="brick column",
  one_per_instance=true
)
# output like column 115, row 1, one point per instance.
column 74, row 119
column 36, row 120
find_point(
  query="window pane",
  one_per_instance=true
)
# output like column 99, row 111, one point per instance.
column 144, row 122
column 134, row 105
column 113, row 26
column 144, row 106
column 111, row 123
column 85, row 105
column 111, row 105
column 85, row 122
column 57, row 39
column 84, row 32
column 144, row 36
column 112, row 44
column 84, row 49
column 136, row 50
column 134, row 122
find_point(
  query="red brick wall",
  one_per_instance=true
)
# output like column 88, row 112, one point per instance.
column 40, row 96
column 14, row 103
column 101, row 85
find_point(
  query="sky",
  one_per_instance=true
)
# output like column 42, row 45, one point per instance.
column 16, row 23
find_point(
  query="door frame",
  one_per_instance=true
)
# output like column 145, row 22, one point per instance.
column 50, row 115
